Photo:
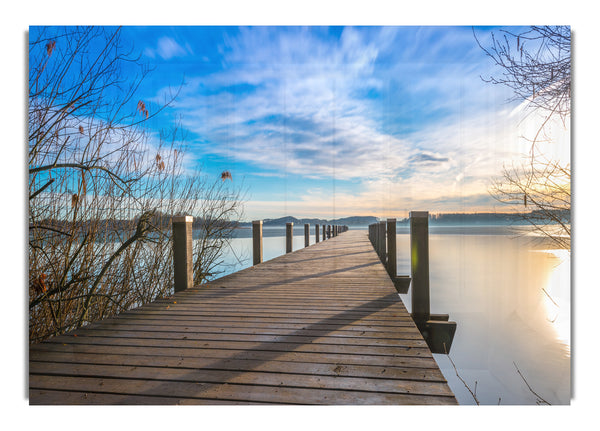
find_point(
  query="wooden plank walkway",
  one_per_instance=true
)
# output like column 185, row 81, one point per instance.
column 322, row 325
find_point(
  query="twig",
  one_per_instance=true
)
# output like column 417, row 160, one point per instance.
column 544, row 290
column 532, row 391
column 461, row 379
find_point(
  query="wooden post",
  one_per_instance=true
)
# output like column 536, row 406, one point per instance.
column 391, row 247
column 317, row 233
column 289, row 236
column 419, row 264
column 381, row 240
column 257, row 242
column 375, row 237
column 328, row 231
column 306, row 235
column 182, row 253
column 376, row 232
column 323, row 233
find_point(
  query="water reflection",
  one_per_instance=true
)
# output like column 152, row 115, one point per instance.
column 558, row 297
column 497, row 288
column 510, row 297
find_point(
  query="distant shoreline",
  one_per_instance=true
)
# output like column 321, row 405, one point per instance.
column 446, row 219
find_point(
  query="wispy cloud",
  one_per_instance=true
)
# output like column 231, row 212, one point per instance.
column 294, row 102
column 167, row 48
column 401, row 113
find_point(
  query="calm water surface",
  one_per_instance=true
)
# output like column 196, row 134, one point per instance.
column 509, row 294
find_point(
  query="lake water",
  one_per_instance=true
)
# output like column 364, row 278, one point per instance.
column 509, row 294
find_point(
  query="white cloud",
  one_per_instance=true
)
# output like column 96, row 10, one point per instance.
column 167, row 48
column 296, row 102
column 303, row 87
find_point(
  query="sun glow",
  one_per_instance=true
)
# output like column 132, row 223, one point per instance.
column 557, row 297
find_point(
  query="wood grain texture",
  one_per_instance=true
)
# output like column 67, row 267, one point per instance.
column 321, row 325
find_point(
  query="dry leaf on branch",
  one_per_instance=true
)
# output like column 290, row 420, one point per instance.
column 160, row 164
column 226, row 175
column 141, row 107
column 39, row 283
column 50, row 47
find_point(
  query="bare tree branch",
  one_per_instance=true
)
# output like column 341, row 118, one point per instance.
column 93, row 171
column 536, row 65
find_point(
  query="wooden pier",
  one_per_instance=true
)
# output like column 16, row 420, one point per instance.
column 321, row 325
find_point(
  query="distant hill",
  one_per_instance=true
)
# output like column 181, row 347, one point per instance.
column 355, row 221
column 279, row 221
column 492, row 218
column 346, row 221
column 435, row 219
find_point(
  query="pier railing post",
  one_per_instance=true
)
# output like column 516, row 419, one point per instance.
column 182, row 253
column 374, row 227
column 381, row 241
column 376, row 237
column 306, row 235
column 391, row 247
column 437, row 330
column 323, row 233
column 419, row 264
column 257, row 242
column 328, row 231
column 289, row 237
column 317, row 232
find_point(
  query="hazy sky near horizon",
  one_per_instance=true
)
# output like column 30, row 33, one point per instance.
column 339, row 121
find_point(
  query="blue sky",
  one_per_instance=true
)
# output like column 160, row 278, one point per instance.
column 339, row 121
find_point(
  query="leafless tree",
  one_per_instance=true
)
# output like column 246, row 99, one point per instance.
column 536, row 65
column 103, row 188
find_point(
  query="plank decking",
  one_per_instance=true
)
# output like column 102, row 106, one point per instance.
column 322, row 325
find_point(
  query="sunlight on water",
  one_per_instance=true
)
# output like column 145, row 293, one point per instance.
column 499, row 289
column 558, row 297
